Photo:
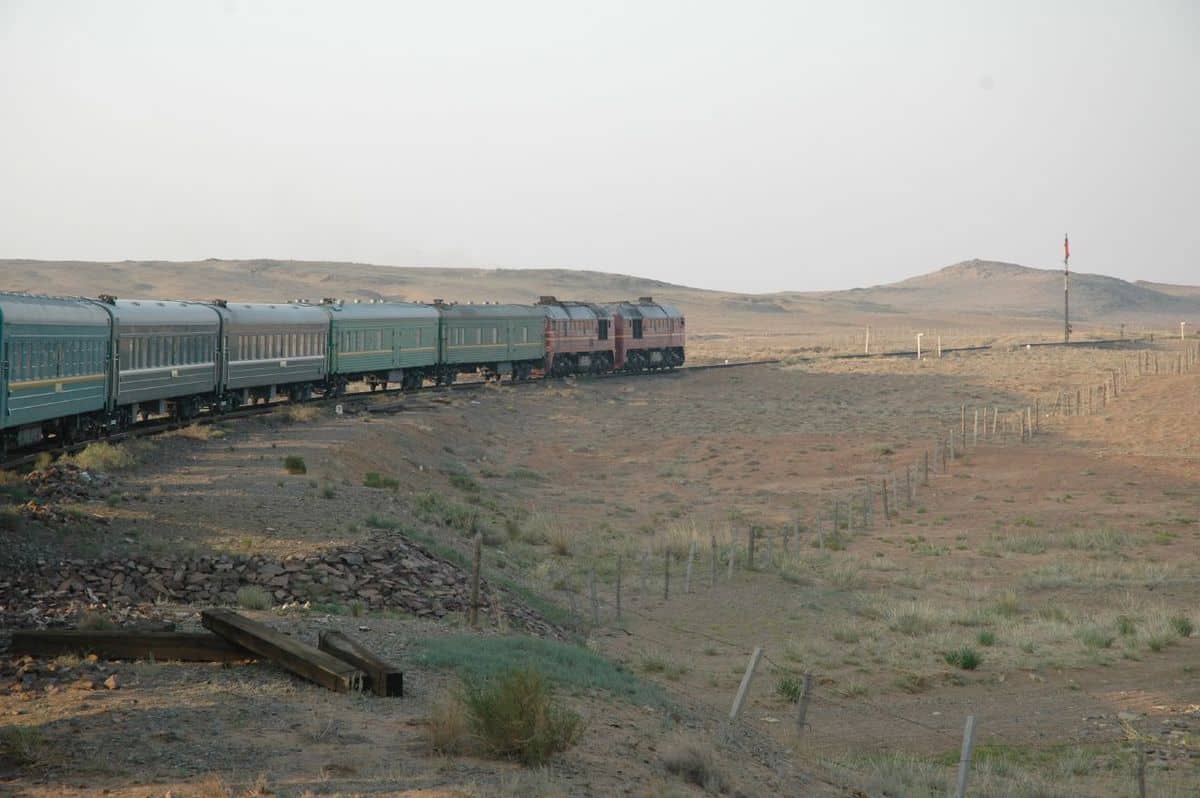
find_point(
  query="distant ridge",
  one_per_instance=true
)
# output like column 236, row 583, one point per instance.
column 962, row 290
column 983, row 286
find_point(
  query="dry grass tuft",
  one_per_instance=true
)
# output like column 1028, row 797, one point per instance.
column 299, row 414
column 447, row 727
column 696, row 765
column 253, row 597
column 105, row 457
column 93, row 621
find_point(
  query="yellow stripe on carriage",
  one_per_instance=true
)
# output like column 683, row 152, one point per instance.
column 55, row 381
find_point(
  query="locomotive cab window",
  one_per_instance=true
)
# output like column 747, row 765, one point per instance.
column 637, row 328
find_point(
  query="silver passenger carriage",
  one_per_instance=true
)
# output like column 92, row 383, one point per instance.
column 271, row 350
column 165, row 357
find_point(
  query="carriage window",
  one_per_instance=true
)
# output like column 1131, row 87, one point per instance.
column 637, row 328
column 602, row 329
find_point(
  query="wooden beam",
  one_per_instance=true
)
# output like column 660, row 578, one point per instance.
column 121, row 644
column 382, row 678
column 286, row 652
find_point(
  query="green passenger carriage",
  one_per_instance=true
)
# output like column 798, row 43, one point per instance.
column 380, row 343
column 491, row 339
column 54, row 369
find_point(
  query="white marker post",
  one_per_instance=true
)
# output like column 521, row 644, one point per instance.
column 919, row 345
column 1181, row 325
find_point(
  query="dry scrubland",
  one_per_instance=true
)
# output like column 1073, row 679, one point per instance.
column 1047, row 587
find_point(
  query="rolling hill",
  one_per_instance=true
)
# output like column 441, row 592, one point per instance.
column 962, row 291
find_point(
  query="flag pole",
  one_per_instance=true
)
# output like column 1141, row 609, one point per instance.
column 1066, row 289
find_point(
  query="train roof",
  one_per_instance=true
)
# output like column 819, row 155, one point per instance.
column 645, row 308
column 160, row 312
column 267, row 313
column 564, row 311
column 491, row 311
column 378, row 311
column 33, row 309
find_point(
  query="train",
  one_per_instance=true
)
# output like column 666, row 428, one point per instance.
column 78, row 368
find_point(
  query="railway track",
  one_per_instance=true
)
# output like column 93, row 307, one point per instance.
column 158, row 426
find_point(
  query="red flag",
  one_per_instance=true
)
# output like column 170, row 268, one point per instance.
column 1066, row 249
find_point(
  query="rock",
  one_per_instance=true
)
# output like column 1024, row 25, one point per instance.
column 111, row 682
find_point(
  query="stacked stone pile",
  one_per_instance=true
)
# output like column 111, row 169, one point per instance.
column 391, row 574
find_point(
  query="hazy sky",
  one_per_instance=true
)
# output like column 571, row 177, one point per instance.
column 741, row 145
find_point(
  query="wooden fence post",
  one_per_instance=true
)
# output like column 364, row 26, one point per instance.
column 750, row 548
column 975, row 429
column 667, row 575
column 643, row 567
column 805, row 696
column 744, row 687
column 712, row 582
column 732, row 556
column 595, row 599
column 476, row 567
column 964, row 759
column 619, row 563
column 964, row 424
column 687, row 579
column 926, row 480
column 887, row 514
column 1139, row 766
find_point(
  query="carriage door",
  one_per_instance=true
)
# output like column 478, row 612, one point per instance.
column 5, row 376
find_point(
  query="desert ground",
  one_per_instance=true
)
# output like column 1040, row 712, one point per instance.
column 1042, row 581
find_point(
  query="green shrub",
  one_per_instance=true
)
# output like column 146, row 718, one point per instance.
column 986, row 637
column 964, row 657
column 10, row 519
column 253, row 597
column 1125, row 625
column 1096, row 637
column 1182, row 625
column 379, row 522
column 464, row 482
column 790, row 688
column 328, row 492
column 22, row 745
column 515, row 716
column 294, row 464
column 1157, row 642
column 373, row 479
column 432, row 507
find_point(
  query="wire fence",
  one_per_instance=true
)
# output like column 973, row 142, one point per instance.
column 633, row 582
